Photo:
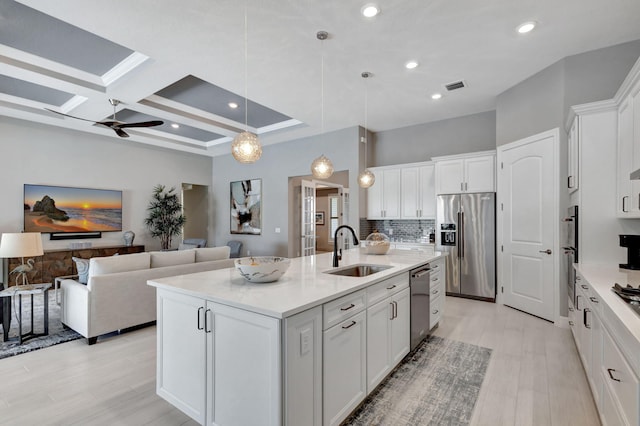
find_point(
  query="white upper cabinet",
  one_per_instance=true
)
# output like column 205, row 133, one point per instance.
column 383, row 197
column 418, row 200
column 572, row 158
column 628, row 154
column 465, row 173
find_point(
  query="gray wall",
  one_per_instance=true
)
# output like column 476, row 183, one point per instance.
column 471, row 133
column 278, row 163
column 48, row 155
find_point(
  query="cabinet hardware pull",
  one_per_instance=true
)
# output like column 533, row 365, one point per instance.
column 434, row 292
column 392, row 287
column 348, row 307
column 623, row 204
column 392, row 311
column 395, row 309
column 578, row 302
column 570, row 309
column 584, row 318
column 584, row 286
column 594, row 300
column 578, row 278
column 568, row 181
column 206, row 323
column 350, row 325
column 435, row 279
column 610, row 371
column 435, row 312
column 571, row 323
column 461, row 186
column 200, row 309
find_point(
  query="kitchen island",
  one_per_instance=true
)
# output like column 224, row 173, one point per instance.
column 305, row 349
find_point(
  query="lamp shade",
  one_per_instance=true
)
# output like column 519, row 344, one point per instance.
column 366, row 178
column 25, row 244
column 246, row 148
column 322, row 167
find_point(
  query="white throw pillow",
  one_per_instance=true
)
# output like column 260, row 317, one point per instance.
column 82, row 266
column 122, row 263
column 207, row 254
column 172, row 258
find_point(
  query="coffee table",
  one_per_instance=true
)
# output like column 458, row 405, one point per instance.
column 26, row 290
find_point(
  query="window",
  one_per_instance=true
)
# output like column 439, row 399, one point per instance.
column 334, row 219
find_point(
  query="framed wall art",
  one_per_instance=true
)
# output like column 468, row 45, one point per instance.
column 319, row 218
column 246, row 211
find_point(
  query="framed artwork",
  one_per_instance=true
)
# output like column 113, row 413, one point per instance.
column 246, row 211
column 319, row 218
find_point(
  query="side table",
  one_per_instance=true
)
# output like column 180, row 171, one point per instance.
column 31, row 290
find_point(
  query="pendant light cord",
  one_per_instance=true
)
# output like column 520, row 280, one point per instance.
column 366, row 114
column 322, row 87
column 246, row 59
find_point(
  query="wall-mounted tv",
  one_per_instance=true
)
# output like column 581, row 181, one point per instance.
column 60, row 209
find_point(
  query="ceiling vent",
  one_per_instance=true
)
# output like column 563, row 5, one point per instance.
column 455, row 85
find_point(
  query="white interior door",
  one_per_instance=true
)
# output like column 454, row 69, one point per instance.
column 528, row 218
column 308, row 218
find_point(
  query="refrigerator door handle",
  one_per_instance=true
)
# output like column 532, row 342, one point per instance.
column 461, row 235
column 459, row 242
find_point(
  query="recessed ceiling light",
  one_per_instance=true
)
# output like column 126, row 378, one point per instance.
column 175, row 125
column 526, row 27
column 370, row 10
column 233, row 105
column 436, row 96
column 411, row 65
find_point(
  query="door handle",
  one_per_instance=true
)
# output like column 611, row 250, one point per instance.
column 623, row 204
column 547, row 251
column 461, row 238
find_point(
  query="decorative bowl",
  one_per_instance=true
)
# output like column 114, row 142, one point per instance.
column 262, row 269
column 376, row 243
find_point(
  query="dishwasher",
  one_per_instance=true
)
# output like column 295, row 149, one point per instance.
column 420, row 290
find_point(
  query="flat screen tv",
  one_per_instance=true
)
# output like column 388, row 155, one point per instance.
column 61, row 209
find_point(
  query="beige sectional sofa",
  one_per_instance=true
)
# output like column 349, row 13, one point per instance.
column 116, row 295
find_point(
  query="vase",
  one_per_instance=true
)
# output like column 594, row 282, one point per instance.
column 128, row 238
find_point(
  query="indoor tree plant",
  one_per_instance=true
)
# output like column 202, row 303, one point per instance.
column 164, row 218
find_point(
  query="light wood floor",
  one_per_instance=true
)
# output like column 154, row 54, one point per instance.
column 534, row 377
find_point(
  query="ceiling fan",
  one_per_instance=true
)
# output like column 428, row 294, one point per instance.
column 117, row 126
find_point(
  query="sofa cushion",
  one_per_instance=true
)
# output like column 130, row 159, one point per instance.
column 82, row 266
column 212, row 253
column 171, row 258
column 124, row 263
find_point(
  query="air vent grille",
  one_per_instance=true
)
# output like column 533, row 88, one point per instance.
column 455, row 85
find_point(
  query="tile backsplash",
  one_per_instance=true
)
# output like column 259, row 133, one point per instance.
column 398, row 229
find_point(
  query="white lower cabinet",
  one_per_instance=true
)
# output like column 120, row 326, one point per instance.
column 387, row 336
column 232, row 347
column 344, row 356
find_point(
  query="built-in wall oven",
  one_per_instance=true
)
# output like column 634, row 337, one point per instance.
column 571, row 251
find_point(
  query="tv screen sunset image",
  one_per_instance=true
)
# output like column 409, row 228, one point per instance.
column 66, row 209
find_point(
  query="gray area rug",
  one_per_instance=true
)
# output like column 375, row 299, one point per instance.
column 57, row 334
column 437, row 384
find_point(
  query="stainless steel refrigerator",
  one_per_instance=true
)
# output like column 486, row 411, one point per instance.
column 466, row 229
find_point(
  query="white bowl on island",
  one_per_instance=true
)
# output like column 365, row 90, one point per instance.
column 262, row 269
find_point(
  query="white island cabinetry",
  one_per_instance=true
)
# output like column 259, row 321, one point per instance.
column 298, row 351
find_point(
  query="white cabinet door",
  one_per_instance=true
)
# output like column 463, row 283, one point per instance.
column 572, row 158
column 379, row 318
column 244, row 356
column 181, row 348
column 400, row 331
column 427, row 192
column 635, row 184
column 344, row 368
column 410, row 184
column 625, row 158
column 449, row 176
column 383, row 197
column 479, row 174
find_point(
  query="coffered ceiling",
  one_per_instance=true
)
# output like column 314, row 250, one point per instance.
column 184, row 62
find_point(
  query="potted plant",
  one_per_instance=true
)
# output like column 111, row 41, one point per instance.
column 165, row 219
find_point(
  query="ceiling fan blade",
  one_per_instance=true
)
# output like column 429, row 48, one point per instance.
column 142, row 124
column 120, row 132
column 71, row 116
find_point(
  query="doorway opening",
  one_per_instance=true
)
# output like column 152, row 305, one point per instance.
column 195, row 207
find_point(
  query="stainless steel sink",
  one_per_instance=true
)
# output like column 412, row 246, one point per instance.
column 359, row 270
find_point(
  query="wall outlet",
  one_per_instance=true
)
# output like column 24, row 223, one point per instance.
column 390, row 232
column 305, row 341
column 248, row 252
column 277, row 230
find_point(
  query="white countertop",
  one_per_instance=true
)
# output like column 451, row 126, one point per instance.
column 625, row 322
column 303, row 286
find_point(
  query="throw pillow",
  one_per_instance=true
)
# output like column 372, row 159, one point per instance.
column 82, row 266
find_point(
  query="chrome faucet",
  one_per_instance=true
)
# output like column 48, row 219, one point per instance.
column 337, row 257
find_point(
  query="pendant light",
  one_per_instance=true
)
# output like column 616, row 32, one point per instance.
column 246, row 147
column 322, row 167
column 366, row 178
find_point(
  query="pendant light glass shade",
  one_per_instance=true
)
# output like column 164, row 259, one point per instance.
column 322, row 167
column 366, row 178
column 246, row 148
